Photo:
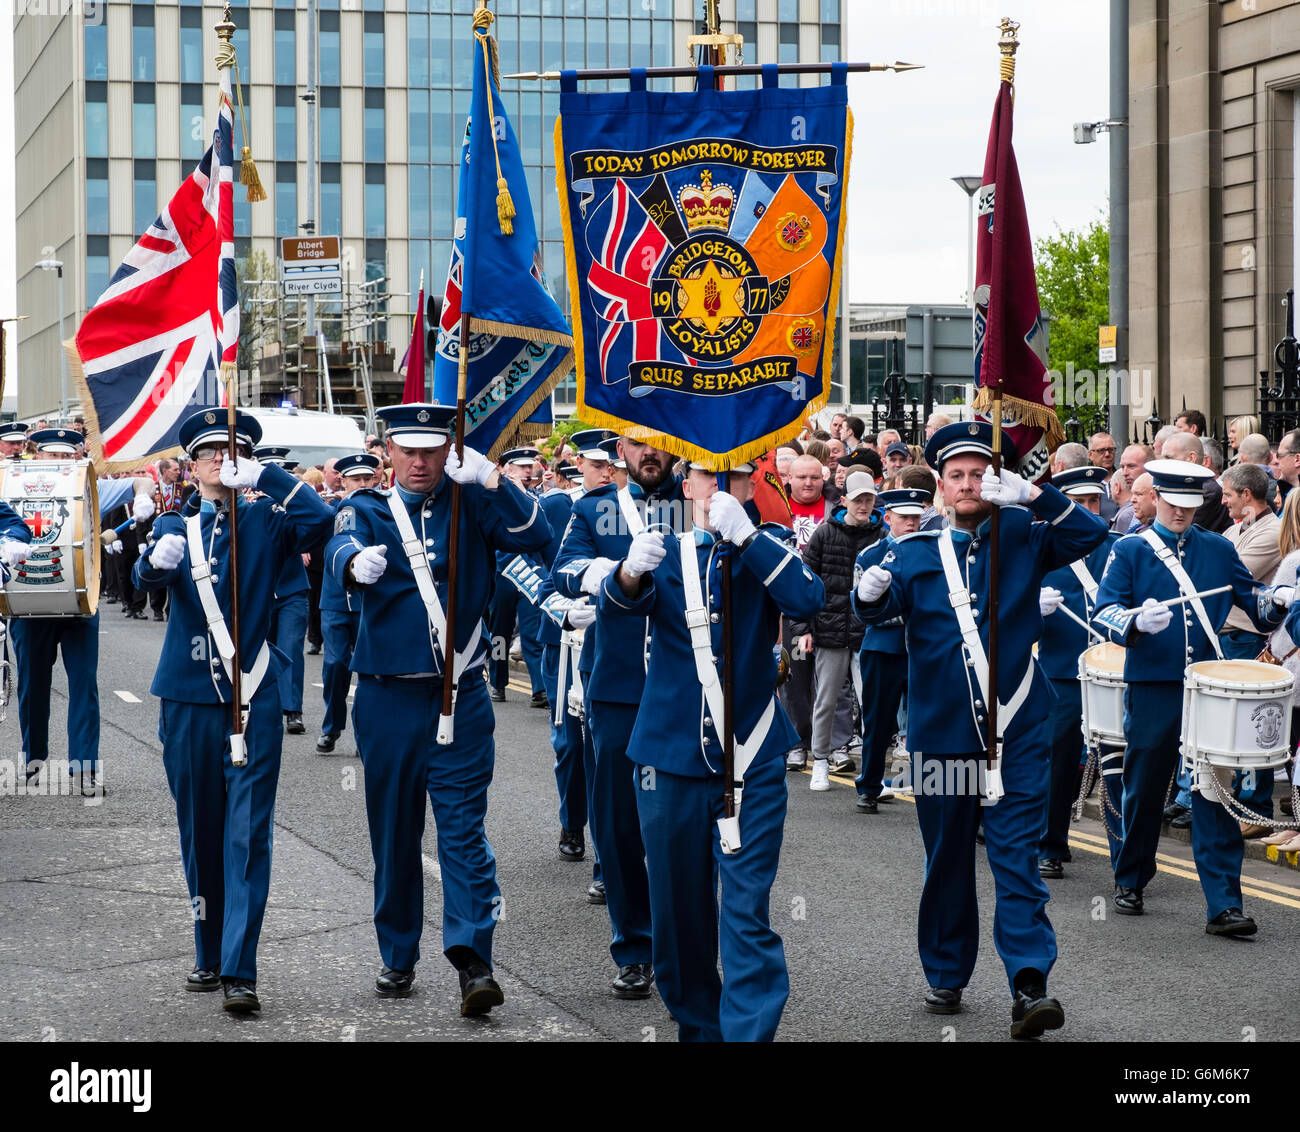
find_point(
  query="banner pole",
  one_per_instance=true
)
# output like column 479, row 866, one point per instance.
column 446, row 723
column 719, row 72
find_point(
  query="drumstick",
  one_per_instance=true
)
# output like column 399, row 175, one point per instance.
column 1180, row 600
column 1063, row 608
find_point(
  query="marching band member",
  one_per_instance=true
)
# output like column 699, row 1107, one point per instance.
column 393, row 547
column 225, row 811
column 1175, row 558
column 882, row 657
column 340, row 610
column 939, row 583
column 675, row 750
column 289, row 620
column 1073, row 587
column 506, row 608
column 13, row 440
column 38, row 640
column 600, row 531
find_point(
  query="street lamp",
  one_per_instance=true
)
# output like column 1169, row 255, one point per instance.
column 970, row 186
column 57, row 265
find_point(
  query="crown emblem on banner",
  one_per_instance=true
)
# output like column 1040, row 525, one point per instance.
column 705, row 206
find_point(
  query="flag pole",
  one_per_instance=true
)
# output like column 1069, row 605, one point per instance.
column 446, row 721
column 599, row 73
column 1007, row 44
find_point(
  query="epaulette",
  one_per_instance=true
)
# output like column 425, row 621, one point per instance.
column 919, row 534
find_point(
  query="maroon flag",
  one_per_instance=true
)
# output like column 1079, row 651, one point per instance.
column 413, row 388
column 1009, row 329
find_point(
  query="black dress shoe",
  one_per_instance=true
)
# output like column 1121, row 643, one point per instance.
column 33, row 769
column 1033, row 1012
column 201, row 980
column 158, row 615
column 91, row 785
column 313, row 650
column 539, row 700
column 1233, row 921
column 325, row 744
column 241, row 996
column 942, row 1000
column 1182, row 821
column 1049, row 868
column 1173, row 810
column 293, row 723
column 572, row 845
column 135, row 614
column 1128, row 901
column 478, row 991
column 868, row 805
column 596, row 892
column 636, row 980
column 498, row 695
column 395, row 984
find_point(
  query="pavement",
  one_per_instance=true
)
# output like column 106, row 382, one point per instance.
column 97, row 935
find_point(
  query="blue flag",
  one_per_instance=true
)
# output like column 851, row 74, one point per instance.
column 519, row 342
column 703, row 237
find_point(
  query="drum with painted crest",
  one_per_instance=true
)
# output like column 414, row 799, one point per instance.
column 59, row 503
column 1236, row 716
column 1101, row 679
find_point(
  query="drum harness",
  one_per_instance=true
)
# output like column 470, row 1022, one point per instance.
column 201, row 572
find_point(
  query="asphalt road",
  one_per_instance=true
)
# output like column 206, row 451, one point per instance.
column 97, row 934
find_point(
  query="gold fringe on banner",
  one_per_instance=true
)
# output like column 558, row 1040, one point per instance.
column 1024, row 413
column 511, row 330
column 506, row 440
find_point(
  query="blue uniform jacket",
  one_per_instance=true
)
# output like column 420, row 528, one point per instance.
column 1042, row 536
column 1134, row 573
column 889, row 636
column 674, row 729
column 1063, row 640
column 557, row 506
column 613, row 653
column 394, row 637
column 292, row 578
column 270, row 532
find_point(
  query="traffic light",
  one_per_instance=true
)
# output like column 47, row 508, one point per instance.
column 432, row 313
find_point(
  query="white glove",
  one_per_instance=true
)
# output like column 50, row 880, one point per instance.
column 142, row 509
column 474, row 468
column 1005, row 490
column 114, row 547
column 874, row 584
column 1283, row 596
column 12, row 551
column 595, row 574
column 581, row 615
column 727, row 517
column 1049, row 600
column 645, row 553
column 1153, row 616
column 244, row 473
column 167, row 552
column 368, row 565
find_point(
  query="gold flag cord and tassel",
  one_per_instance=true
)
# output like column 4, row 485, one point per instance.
column 492, row 74
column 226, row 59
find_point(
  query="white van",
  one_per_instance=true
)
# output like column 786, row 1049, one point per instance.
column 311, row 437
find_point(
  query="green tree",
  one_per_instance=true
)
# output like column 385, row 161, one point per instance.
column 1074, row 289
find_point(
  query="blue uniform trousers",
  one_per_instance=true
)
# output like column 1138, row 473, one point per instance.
column 530, row 628
column 589, row 776
column 339, row 630
column 616, row 832
column 225, row 816
column 884, row 681
column 396, row 721
column 36, row 642
column 566, row 740
column 288, row 631
column 948, row 924
column 1112, row 788
column 506, row 606
column 688, row 873
column 1253, row 788
column 1065, row 726
column 1153, row 716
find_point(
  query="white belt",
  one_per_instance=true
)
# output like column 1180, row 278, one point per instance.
column 201, row 572
column 706, row 671
column 419, row 560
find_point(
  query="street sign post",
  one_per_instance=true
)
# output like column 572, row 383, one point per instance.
column 310, row 265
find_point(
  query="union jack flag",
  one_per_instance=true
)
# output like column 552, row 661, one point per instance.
column 150, row 351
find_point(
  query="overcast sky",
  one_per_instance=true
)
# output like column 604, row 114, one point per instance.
column 914, row 131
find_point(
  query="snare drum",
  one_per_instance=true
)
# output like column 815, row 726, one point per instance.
column 1236, row 716
column 1101, row 679
column 58, row 502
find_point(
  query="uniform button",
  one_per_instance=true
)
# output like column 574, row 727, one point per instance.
column 428, row 514
column 975, row 545
column 428, row 542
column 974, row 612
column 713, row 617
column 979, row 704
column 706, row 740
column 708, row 722
column 212, row 561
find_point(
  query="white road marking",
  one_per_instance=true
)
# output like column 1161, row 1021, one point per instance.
column 127, row 697
column 431, row 867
